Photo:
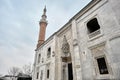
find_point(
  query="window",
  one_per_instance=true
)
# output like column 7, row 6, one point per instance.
column 39, row 56
column 41, row 75
column 93, row 27
column 37, row 76
column 42, row 60
column 49, row 52
column 48, row 73
column 102, row 66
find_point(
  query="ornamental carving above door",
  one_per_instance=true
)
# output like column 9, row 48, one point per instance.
column 65, row 46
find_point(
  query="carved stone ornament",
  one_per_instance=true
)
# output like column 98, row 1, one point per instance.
column 66, row 59
column 65, row 46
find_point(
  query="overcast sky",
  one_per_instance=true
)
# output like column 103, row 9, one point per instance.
column 19, row 27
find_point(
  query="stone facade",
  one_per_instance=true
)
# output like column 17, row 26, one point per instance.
column 93, row 51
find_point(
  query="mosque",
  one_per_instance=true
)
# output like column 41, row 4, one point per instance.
column 87, row 47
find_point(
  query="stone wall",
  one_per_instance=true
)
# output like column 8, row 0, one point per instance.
column 109, row 27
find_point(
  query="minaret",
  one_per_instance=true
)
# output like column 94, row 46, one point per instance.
column 42, row 24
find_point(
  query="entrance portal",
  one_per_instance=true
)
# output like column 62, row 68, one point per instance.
column 70, row 72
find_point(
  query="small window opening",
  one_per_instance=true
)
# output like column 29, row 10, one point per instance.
column 41, row 75
column 37, row 75
column 102, row 66
column 93, row 25
column 49, row 52
column 42, row 60
column 47, row 73
column 39, row 56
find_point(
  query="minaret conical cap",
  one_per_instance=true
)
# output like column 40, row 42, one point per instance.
column 44, row 17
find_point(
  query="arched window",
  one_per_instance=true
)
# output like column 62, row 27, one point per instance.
column 41, row 77
column 93, row 28
column 48, row 73
column 37, row 75
column 42, row 60
column 37, row 72
column 49, row 52
column 93, row 25
column 39, row 56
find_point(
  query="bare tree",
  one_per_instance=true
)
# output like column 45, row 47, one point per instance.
column 14, row 71
column 27, row 69
column 0, row 75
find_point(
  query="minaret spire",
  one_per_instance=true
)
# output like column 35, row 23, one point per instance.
column 44, row 10
column 44, row 17
column 43, row 24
